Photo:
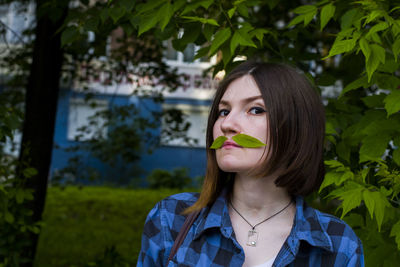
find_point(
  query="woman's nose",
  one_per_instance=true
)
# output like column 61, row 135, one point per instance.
column 230, row 124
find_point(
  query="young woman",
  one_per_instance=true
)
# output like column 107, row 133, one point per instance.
column 251, row 205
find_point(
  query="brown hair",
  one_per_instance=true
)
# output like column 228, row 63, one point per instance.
column 296, row 131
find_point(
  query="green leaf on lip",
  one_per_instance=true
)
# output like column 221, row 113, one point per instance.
column 245, row 140
column 218, row 142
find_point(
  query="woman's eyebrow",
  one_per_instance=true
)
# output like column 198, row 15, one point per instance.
column 244, row 100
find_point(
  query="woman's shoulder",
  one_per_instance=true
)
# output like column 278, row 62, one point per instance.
column 335, row 226
column 175, row 204
column 180, row 201
column 340, row 237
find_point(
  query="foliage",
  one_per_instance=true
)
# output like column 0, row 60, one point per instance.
column 14, row 215
column 354, row 45
column 90, row 226
column 178, row 178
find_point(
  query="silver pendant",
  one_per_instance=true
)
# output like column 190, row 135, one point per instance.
column 252, row 238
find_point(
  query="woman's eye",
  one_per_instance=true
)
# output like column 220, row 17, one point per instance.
column 223, row 112
column 256, row 110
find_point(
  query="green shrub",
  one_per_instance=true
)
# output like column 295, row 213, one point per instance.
column 178, row 178
column 93, row 226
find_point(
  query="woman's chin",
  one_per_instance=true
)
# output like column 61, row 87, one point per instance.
column 231, row 167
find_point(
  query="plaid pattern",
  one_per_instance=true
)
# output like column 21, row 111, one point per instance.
column 316, row 239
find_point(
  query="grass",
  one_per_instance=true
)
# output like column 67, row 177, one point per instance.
column 80, row 223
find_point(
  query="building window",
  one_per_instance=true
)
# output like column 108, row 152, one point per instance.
column 197, row 117
column 83, row 123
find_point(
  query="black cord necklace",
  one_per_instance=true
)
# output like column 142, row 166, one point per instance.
column 252, row 237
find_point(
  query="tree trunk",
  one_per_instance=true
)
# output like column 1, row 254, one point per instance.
column 40, row 109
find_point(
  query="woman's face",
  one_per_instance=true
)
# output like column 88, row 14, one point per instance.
column 241, row 110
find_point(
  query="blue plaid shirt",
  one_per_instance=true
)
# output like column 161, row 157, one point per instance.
column 316, row 239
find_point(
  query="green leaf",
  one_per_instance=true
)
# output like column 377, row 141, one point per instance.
column 385, row 81
column 220, row 37
column 373, row 147
column 35, row 229
column 231, row 12
column 329, row 128
column 392, row 102
column 19, row 196
column 377, row 28
column 375, row 14
column 166, row 11
column 369, row 202
column 346, row 21
column 309, row 16
column 202, row 20
column 241, row 37
column 242, row 9
column 396, row 28
column 91, row 24
column 333, row 163
column 245, row 140
column 351, row 199
column 364, row 172
column 374, row 101
column 351, row 196
column 395, row 232
column 365, row 48
column 390, row 66
column 396, row 48
column 208, row 31
column 396, row 156
column 177, row 5
column 272, row 3
column 361, row 82
column 226, row 54
column 29, row 172
column 381, row 203
column 378, row 124
column 104, row 14
column 305, row 9
column 377, row 56
column 343, row 150
column 342, row 46
column 127, row 4
column 296, row 20
column 336, row 178
column 191, row 32
column 259, row 33
column 116, row 12
column 9, row 217
column 329, row 179
column 147, row 22
column 218, row 142
column 202, row 52
column 327, row 13
column 193, row 6
column 149, row 6
column 69, row 35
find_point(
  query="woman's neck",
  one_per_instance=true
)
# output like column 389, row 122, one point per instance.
column 258, row 196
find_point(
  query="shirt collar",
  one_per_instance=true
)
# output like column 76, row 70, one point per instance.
column 216, row 216
column 307, row 227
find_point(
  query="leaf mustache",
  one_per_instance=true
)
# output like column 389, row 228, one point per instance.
column 243, row 140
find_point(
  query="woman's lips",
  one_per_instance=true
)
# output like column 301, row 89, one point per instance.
column 230, row 144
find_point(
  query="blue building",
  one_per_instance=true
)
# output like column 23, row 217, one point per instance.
column 193, row 99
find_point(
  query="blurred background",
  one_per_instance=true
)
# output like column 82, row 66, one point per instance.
column 104, row 105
